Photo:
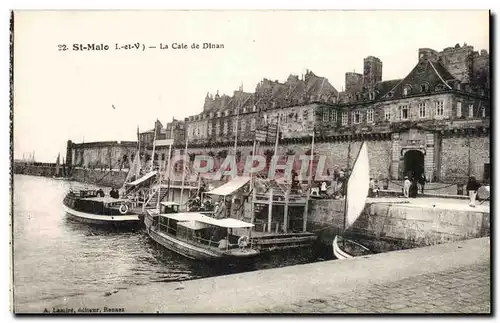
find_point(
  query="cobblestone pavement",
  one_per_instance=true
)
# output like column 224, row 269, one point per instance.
column 461, row 290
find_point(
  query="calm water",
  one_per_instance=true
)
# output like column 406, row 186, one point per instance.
column 56, row 257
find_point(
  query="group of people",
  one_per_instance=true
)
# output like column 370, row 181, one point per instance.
column 411, row 185
column 113, row 193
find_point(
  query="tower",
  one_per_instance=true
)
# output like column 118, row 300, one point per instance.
column 372, row 70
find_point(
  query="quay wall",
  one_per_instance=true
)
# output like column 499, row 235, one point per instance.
column 47, row 170
column 114, row 178
column 390, row 226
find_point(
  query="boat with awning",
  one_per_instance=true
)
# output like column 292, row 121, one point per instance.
column 200, row 237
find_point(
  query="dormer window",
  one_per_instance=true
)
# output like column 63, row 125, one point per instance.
column 439, row 87
column 371, row 95
column 218, row 114
column 254, row 108
column 211, row 114
column 245, row 110
column 226, row 113
column 406, row 90
column 424, row 87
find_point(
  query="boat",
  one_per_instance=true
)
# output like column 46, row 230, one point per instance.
column 89, row 206
column 197, row 236
column 355, row 199
column 59, row 175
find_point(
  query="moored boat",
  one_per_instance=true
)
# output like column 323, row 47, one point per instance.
column 88, row 207
column 197, row 236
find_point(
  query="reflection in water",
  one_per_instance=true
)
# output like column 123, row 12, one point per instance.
column 57, row 257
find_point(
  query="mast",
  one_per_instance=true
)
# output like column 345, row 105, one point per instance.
column 184, row 164
column 236, row 132
column 304, row 218
column 167, row 168
column 153, row 153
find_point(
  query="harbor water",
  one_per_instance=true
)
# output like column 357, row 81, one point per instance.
column 55, row 257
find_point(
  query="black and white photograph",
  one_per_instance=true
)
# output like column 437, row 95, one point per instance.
column 250, row 162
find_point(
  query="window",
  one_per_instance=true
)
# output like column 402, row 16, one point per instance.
column 345, row 118
column 369, row 115
column 253, row 124
column 254, row 108
column 243, row 125
column 333, row 116
column 211, row 114
column 483, row 112
column 387, row 114
column 210, row 129
column 422, row 107
column 226, row 126
column 326, row 114
column 305, row 115
column 439, row 87
column 217, row 128
column 424, row 87
column 403, row 112
column 371, row 95
column 218, row 114
column 245, row 110
column 390, row 94
column 439, row 108
column 357, row 117
column 226, row 113
column 471, row 110
column 406, row 90
column 235, row 124
column 459, row 109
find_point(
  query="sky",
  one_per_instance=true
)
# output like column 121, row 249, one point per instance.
column 105, row 95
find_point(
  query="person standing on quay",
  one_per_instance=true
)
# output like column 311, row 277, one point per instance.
column 406, row 187
column 472, row 187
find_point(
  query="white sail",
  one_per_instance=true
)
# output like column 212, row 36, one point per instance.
column 357, row 186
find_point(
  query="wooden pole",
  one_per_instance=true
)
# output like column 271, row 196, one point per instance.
column 184, row 169
column 270, row 210
column 285, row 215
column 306, row 206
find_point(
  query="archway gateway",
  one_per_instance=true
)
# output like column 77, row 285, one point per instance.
column 413, row 163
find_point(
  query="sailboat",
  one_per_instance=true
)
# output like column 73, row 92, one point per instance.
column 58, row 174
column 357, row 192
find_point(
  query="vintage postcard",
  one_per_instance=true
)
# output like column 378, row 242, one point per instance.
column 263, row 161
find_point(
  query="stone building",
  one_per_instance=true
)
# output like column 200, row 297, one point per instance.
column 435, row 120
column 101, row 155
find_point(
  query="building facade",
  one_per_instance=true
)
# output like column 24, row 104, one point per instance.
column 435, row 120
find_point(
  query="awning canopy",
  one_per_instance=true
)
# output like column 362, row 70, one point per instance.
column 230, row 187
column 193, row 225
column 164, row 142
column 169, row 203
column 143, row 178
column 198, row 217
column 234, row 223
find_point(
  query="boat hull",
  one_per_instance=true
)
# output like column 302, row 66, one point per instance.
column 191, row 251
column 115, row 220
column 340, row 246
